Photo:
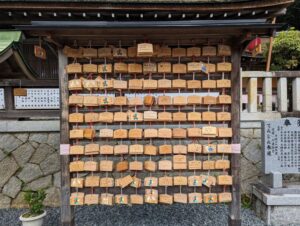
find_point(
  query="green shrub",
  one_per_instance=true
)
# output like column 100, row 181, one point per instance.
column 35, row 201
column 286, row 51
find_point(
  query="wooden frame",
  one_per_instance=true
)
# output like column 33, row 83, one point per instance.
column 234, row 218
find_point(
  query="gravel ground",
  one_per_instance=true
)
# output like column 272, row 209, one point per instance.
column 190, row 215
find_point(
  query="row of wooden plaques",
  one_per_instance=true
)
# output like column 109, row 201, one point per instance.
column 151, row 197
column 148, row 100
column 179, row 163
column 163, row 133
column 122, row 149
column 145, row 84
column 196, row 180
column 149, row 67
column 147, row 50
column 148, row 116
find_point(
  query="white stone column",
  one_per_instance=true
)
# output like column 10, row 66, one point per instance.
column 252, row 94
column 267, row 94
column 296, row 94
column 282, row 94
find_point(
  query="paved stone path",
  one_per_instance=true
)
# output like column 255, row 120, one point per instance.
column 175, row 215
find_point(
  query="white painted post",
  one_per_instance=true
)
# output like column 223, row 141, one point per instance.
column 296, row 94
column 267, row 94
column 282, row 94
column 252, row 95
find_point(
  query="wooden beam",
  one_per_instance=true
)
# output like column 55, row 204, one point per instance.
column 147, row 5
column 235, row 206
column 66, row 211
column 14, row 114
column 28, row 83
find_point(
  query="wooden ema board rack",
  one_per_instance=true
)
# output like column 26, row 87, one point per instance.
column 150, row 124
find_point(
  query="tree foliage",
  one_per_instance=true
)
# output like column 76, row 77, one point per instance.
column 286, row 50
column 292, row 17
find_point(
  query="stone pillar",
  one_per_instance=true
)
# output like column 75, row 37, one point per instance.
column 282, row 94
column 252, row 95
column 296, row 94
column 267, row 94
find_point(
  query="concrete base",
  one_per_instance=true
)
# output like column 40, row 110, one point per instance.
column 276, row 210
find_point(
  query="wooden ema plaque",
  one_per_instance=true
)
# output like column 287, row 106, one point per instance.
column 149, row 84
column 164, row 84
column 146, row 126
column 136, row 199
column 77, row 182
column 193, row 52
column 92, row 181
column 91, row 149
column 150, row 133
column 120, row 85
column 132, row 51
column 74, row 84
column 194, row 84
column 122, row 166
column 76, row 118
column 164, row 67
column 179, row 133
column 74, row 68
column 72, row 52
column 105, row 52
column 178, row 52
column 121, row 149
column 91, row 199
column 145, row 50
column 89, row 68
column 105, row 68
column 150, row 166
column 77, row 150
column 150, row 150
column 165, row 199
column 106, row 150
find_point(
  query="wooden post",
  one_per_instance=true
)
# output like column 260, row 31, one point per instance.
column 235, row 206
column 66, row 213
column 252, row 94
column 8, row 98
column 282, row 94
column 270, row 49
column 296, row 94
column 267, row 94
